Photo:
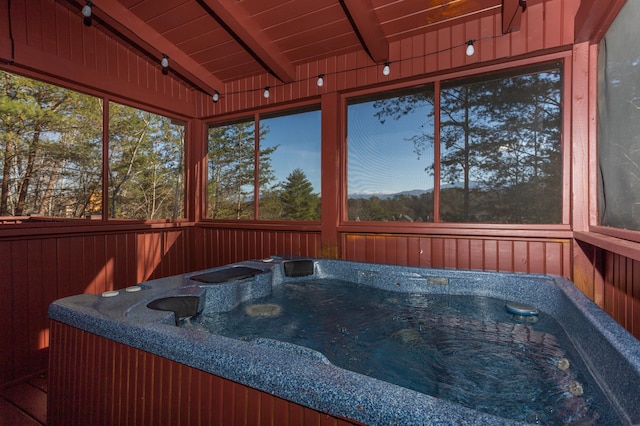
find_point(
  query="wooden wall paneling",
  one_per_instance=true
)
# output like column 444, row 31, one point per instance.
column 628, row 295
column 608, row 291
column 50, row 37
column 6, row 307
column 552, row 20
column 517, row 255
column 620, row 287
column 20, row 309
column 535, row 14
column 169, row 390
column 458, row 38
column 634, row 295
column 5, row 44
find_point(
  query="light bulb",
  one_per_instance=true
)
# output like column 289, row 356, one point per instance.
column 470, row 49
column 216, row 96
column 320, row 80
column 266, row 92
column 386, row 70
column 165, row 61
column 86, row 10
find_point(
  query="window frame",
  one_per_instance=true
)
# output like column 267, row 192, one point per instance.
column 255, row 117
column 106, row 99
column 562, row 229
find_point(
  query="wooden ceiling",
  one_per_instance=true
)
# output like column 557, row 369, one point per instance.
column 212, row 42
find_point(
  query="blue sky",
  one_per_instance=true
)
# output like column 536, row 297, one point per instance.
column 381, row 158
column 299, row 139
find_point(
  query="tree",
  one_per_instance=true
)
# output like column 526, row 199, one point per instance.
column 50, row 148
column 231, row 152
column 146, row 164
column 297, row 197
column 499, row 142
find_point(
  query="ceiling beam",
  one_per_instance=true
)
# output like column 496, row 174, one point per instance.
column 235, row 19
column 512, row 15
column 115, row 15
column 594, row 18
column 365, row 23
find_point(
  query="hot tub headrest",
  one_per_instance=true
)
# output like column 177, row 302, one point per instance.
column 298, row 268
column 181, row 306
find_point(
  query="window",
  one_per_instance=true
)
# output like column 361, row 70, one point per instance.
column 274, row 176
column 390, row 157
column 500, row 158
column 231, row 170
column 146, row 165
column 290, row 181
column 618, row 122
column 50, row 150
column 499, row 152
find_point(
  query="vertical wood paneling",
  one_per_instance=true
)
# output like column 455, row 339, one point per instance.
column 461, row 253
column 545, row 25
column 612, row 281
column 224, row 246
column 35, row 271
column 130, row 386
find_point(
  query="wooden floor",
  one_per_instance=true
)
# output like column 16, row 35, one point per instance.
column 24, row 403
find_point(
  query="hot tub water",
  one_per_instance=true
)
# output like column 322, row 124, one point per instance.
column 466, row 349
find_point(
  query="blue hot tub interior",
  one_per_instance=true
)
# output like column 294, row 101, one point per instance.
column 146, row 316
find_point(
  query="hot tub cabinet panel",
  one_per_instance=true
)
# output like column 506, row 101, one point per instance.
column 97, row 381
column 114, row 360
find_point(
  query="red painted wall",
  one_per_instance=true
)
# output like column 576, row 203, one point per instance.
column 115, row 384
column 36, row 270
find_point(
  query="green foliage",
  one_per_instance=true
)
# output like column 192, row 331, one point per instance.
column 297, row 198
column 51, row 155
column 50, row 144
column 146, row 165
column 500, row 158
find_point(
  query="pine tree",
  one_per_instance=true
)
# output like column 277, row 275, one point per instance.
column 297, row 197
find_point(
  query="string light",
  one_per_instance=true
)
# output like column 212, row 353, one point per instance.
column 86, row 13
column 386, row 70
column 320, row 81
column 470, row 49
column 164, row 62
column 86, row 10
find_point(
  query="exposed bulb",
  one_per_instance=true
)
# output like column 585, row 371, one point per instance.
column 320, row 80
column 266, row 92
column 386, row 70
column 216, row 96
column 165, row 61
column 470, row 49
column 86, row 10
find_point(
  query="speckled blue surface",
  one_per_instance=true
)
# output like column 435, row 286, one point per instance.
column 306, row 377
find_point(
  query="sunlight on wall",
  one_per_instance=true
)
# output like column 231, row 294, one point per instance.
column 43, row 338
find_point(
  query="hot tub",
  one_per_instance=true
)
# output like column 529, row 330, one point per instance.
column 141, row 354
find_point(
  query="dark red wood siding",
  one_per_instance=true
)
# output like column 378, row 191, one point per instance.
column 96, row 381
column 541, row 256
column 36, row 270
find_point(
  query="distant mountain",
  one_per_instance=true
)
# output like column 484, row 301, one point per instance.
column 412, row 192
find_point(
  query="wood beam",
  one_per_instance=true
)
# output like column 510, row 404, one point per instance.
column 115, row 15
column 362, row 17
column 231, row 15
column 511, row 15
column 594, row 18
